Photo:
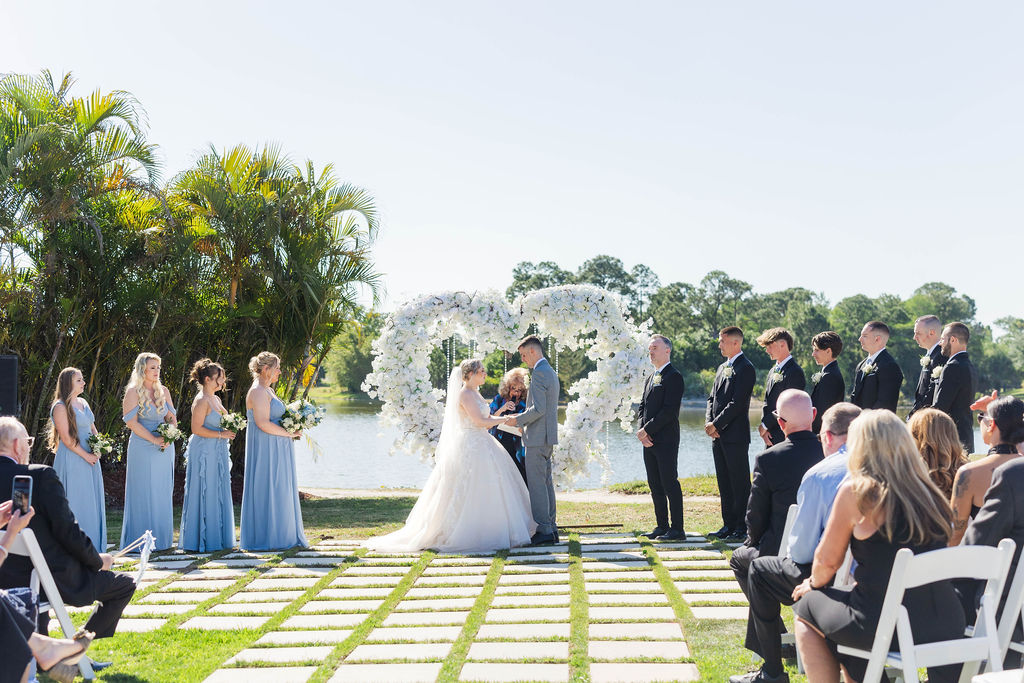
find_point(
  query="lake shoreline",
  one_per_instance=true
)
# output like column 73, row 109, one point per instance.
column 576, row 496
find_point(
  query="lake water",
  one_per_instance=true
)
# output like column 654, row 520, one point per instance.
column 355, row 453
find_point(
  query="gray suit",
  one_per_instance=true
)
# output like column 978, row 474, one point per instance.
column 540, row 433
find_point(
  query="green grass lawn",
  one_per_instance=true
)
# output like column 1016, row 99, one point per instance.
column 172, row 655
column 701, row 485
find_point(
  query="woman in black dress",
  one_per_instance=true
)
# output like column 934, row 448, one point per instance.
column 889, row 502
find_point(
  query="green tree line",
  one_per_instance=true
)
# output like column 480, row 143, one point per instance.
column 101, row 258
column 692, row 314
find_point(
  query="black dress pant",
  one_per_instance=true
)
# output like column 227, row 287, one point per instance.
column 512, row 444
column 732, row 469
column 770, row 584
column 15, row 630
column 663, row 477
column 113, row 592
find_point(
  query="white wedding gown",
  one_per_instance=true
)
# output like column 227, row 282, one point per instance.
column 474, row 500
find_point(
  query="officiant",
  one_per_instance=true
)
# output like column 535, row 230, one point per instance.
column 511, row 399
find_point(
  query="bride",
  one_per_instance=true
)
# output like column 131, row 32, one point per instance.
column 475, row 498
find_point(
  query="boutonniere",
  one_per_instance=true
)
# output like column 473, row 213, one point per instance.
column 869, row 369
column 937, row 372
column 925, row 361
column 657, row 379
column 816, row 377
column 776, row 376
column 728, row 372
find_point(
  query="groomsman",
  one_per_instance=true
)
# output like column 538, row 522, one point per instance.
column 927, row 329
column 954, row 390
column 786, row 374
column 829, row 387
column 878, row 379
column 659, row 434
column 727, row 422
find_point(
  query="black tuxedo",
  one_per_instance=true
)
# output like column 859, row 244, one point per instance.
column 954, row 394
column 729, row 410
column 792, row 378
column 70, row 555
column 925, row 392
column 659, row 417
column 828, row 391
column 880, row 388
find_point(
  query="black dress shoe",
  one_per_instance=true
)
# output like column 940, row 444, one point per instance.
column 721, row 533
column 542, row 539
column 759, row 676
column 658, row 531
column 672, row 535
column 788, row 651
column 735, row 536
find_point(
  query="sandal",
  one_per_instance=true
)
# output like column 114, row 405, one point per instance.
column 83, row 638
column 66, row 670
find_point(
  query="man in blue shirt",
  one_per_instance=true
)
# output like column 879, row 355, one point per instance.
column 771, row 580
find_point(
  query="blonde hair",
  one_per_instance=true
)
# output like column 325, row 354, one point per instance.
column 469, row 366
column 138, row 378
column 889, row 480
column 515, row 373
column 263, row 359
column 935, row 434
column 62, row 393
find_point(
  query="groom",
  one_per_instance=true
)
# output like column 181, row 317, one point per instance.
column 540, row 433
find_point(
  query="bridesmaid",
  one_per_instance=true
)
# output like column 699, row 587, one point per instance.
column 149, row 479
column 77, row 467
column 208, row 517
column 271, row 518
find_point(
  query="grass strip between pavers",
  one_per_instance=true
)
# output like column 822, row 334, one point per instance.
column 460, row 648
column 372, row 621
column 579, row 615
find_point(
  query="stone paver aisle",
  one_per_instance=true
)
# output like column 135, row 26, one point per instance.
column 521, row 631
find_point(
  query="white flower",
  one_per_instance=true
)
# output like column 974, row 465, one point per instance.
column 869, row 368
column 776, row 376
column 656, row 381
column 925, row 360
column 937, row 372
column 728, row 372
column 816, row 377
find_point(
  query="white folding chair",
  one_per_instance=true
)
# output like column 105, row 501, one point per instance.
column 1013, row 611
column 910, row 571
column 789, row 637
column 1014, row 676
column 27, row 545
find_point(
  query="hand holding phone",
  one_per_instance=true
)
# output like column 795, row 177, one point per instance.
column 21, row 493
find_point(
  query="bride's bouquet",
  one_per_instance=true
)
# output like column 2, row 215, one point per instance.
column 169, row 432
column 302, row 415
column 101, row 445
column 233, row 422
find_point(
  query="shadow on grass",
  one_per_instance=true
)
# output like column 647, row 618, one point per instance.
column 342, row 517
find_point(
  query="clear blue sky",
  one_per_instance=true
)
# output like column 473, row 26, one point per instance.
column 845, row 147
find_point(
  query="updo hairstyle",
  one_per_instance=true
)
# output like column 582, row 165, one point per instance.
column 204, row 369
column 469, row 366
column 264, row 359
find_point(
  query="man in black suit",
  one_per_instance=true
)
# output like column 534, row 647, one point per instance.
column 786, row 374
column 659, row 434
column 727, row 422
column 927, row 329
column 954, row 390
column 878, row 379
column 829, row 387
column 777, row 475
column 82, row 575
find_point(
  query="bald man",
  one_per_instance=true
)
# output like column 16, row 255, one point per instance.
column 777, row 475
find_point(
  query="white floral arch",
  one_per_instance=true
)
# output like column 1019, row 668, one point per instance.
column 568, row 314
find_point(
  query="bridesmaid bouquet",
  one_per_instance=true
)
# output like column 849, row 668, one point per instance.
column 101, row 444
column 234, row 422
column 169, row 432
column 301, row 415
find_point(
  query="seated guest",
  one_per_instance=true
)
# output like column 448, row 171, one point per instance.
column 510, row 399
column 889, row 502
column 771, row 579
column 829, row 387
column 18, row 640
column 777, row 475
column 785, row 374
column 1002, row 428
column 82, row 575
column 935, row 435
column 954, row 387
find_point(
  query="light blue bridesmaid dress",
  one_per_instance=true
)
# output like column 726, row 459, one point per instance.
column 149, row 483
column 271, row 517
column 83, row 483
column 207, row 517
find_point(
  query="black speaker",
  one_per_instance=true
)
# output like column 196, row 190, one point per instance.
column 9, row 386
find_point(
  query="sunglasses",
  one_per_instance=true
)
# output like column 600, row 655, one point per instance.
column 778, row 417
column 982, row 417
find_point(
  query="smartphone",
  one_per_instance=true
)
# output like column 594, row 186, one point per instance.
column 21, row 493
